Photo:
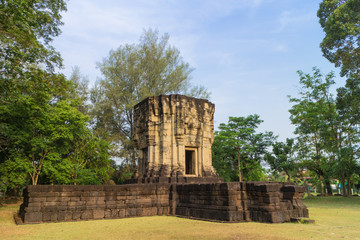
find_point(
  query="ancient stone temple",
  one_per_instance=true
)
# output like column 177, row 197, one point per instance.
column 174, row 134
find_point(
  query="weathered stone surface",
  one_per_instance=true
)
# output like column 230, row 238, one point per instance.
column 174, row 134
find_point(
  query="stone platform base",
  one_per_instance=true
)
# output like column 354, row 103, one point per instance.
column 180, row 180
column 231, row 202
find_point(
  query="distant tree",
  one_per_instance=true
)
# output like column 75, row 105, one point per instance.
column 121, row 173
column 283, row 158
column 130, row 74
column 80, row 89
column 237, row 147
column 340, row 22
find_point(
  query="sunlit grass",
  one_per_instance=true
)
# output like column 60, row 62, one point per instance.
column 336, row 218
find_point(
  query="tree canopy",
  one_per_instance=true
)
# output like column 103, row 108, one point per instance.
column 283, row 157
column 238, row 149
column 327, row 127
column 42, row 130
column 341, row 44
column 27, row 29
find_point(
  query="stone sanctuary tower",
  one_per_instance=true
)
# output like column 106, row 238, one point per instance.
column 174, row 134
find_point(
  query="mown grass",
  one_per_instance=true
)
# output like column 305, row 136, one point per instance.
column 336, row 218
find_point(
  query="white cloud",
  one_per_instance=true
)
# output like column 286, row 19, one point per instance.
column 284, row 20
column 290, row 20
column 280, row 47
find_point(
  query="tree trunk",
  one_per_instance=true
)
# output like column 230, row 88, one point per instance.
column 349, row 186
column 34, row 179
column 239, row 166
column 321, row 186
column 328, row 186
column 288, row 177
column 307, row 188
column 343, row 186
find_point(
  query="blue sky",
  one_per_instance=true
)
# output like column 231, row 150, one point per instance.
column 245, row 52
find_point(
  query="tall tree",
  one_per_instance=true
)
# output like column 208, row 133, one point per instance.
column 341, row 44
column 348, row 106
column 130, row 74
column 26, row 31
column 240, row 148
column 40, row 124
column 315, row 117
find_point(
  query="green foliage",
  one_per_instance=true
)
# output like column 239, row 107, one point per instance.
column 348, row 107
column 340, row 22
column 122, row 172
column 314, row 115
column 224, row 160
column 41, row 127
column 130, row 74
column 238, row 150
column 51, row 134
column 93, row 158
column 27, row 28
column 282, row 158
column 13, row 174
column 328, row 127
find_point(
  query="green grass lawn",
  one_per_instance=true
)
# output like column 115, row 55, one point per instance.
column 336, row 218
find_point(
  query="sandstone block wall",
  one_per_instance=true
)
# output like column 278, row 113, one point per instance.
column 273, row 202
column 210, row 201
column 245, row 201
column 47, row 203
column 180, row 180
column 233, row 202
